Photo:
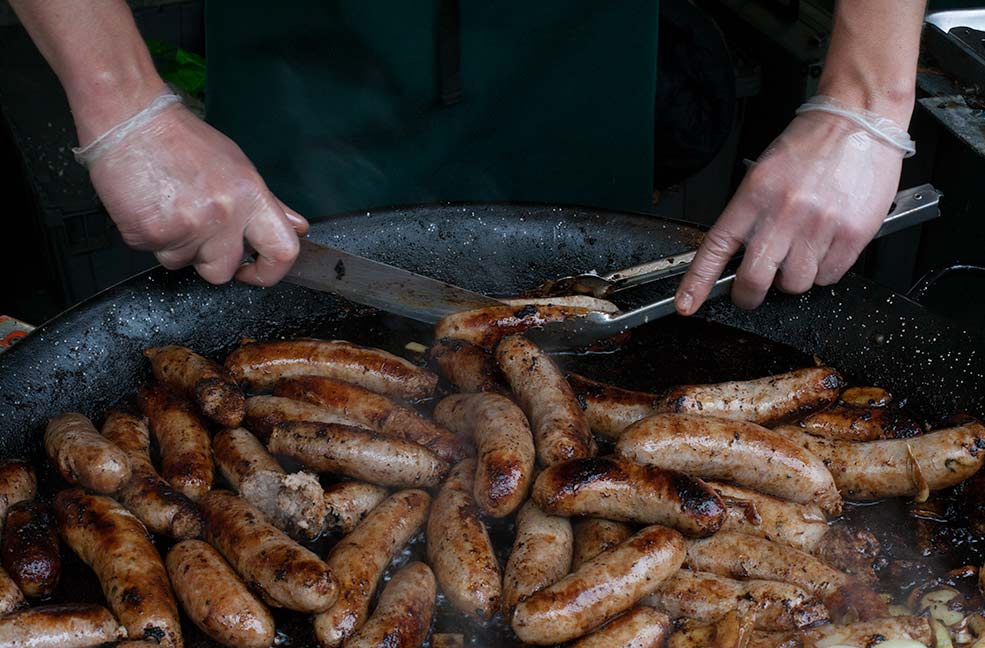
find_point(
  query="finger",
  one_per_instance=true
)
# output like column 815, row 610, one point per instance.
column 219, row 258
column 763, row 258
column 841, row 256
column 276, row 245
column 297, row 221
column 179, row 257
column 799, row 269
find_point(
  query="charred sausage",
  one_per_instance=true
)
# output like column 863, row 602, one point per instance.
column 611, row 583
column 358, row 453
column 641, row 627
column 801, row 526
column 348, row 503
column 485, row 327
column 610, row 409
column 459, row 549
column 17, row 483
column 75, row 625
column 215, row 599
column 261, row 364
column 374, row 412
column 186, row 456
column 737, row 451
column 541, row 555
column 402, row 618
column 560, row 429
column 592, row 536
column 30, row 548
column 864, row 634
column 84, row 457
column 113, row 542
column 360, row 558
column 861, row 424
column 159, row 506
column 504, row 447
column 264, row 412
column 282, row 571
column 467, row 367
column 616, row 489
column 206, row 382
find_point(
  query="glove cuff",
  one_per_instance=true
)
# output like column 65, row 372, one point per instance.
column 878, row 126
column 86, row 154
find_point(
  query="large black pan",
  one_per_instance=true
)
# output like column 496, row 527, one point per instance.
column 90, row 357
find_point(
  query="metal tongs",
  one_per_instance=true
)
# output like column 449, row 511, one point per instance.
column 911, row 207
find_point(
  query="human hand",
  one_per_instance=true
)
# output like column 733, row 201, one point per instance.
column 804, row 212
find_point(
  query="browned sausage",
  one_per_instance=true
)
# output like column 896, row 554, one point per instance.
column 347, row 503
column 467, row 367
column 801, row 526
column 592, row 536
column 768, row 605
column 159, row 506
column 360, row 558
column 611, row 583
column 30, row 548
column 114, row 543
column 74, row 625
column 402, row 618
column 560, row 428
column 358, row 453
column 616, row 489
column 238, row 454
column 866, row 397
column 641, row 627
column 282, row 571
column 261, row 364
column 861, row 424
column 459, row 549
column 610, row 409
column 864, row 634
column 186, row 456
column 84, row 457
column 504, row 447
column 17, row 483
column 766, row 401
column 852, row 550
column 737, row 555
column 206, row 382
column 11, row 596
column 264, row 412
column 899, row 467
column 294, row 503
column 375, row 412
column 541, row 555
column 215, row 599
column 737, row 451
column 485, row 327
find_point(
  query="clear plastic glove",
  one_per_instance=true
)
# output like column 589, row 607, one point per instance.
column 183, row 190
column 804, row 212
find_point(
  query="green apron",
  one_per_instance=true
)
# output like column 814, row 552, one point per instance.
column 339, row 102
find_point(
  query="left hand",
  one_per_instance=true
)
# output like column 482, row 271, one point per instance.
column 804, row 212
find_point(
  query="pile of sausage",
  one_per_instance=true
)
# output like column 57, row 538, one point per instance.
column 704, row 522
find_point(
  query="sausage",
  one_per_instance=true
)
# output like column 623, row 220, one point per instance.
column 737, row 451
column 215, row 599
column 864, row 634
column 768, row 605
column 238, row 454
column 207, row 383
column 403, row 616
column 560, row 428
column 374, row 412
column 541, row 555
column 30, row 549
column 282, row 571
column 264, row 412
column 899, row 467
column 616, row 489
column 17, row 483
column 765, row 401
column 294, row 503
column 592, row 536
column 11, row 596
column 610, row 409
column 730, row 632
column 737, row 555
column 74, row 625
column 84, row 457
column 113, row 542
column 861, row 424
column 358, row 453
column 261, row 364
column 801, row 526
column 360, row 558
column 485, row 327
column 186, row 456
column 641, row 627
column 467, row 367
column 348, row 503
column 459, row 549
column 866, row 397
column 504, row 447
column 605, row 586
column 159, row 506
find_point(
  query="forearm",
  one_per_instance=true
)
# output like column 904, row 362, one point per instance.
column 872, row 60
column 96, row 51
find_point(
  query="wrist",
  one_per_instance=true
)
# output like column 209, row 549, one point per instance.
column 892, row 99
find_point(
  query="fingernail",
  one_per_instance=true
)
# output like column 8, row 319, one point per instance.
column 296, row 220
column 684, row 302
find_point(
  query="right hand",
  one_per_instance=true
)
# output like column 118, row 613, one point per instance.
column 186, row 192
